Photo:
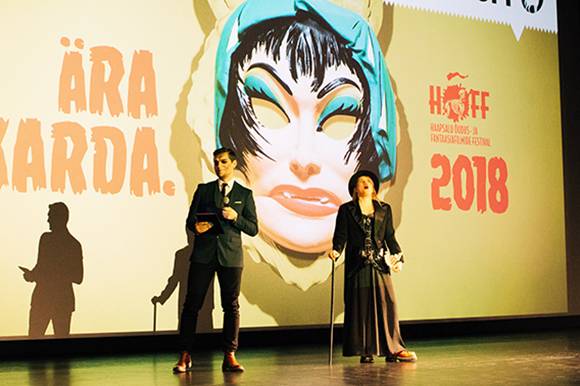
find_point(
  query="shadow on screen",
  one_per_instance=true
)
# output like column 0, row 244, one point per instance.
column 59, row 265
column 178, row 281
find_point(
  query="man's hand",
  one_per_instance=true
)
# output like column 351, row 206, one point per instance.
column 155, row 299
column 202, row 226
column 333, row 255
column 229, row 213
column 26, row 274
column 395, row 262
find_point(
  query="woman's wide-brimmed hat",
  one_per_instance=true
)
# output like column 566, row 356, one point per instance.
column 362, row 173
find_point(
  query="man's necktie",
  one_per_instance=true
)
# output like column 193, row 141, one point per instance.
column 225, row 198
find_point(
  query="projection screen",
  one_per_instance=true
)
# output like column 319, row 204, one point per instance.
column 110, row 112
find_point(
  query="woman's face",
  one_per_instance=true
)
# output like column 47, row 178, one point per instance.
column 364, row 187
column 305, row 132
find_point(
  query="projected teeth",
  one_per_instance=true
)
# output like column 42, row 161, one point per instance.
column 290, row 196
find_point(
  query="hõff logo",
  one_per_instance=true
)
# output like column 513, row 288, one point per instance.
column 457, row 102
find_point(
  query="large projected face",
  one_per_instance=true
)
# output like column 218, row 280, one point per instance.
column 304, row 133
column 302, row 105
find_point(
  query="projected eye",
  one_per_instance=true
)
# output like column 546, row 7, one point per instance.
column 339, row 118
column 268, row 113
column 264, row 103
column 339, row 126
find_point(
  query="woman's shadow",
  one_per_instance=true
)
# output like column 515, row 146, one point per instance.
column 178, row 280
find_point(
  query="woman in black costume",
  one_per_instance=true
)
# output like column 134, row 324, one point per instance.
column 365, row 227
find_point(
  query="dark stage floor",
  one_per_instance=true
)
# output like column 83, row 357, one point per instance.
column 530, row 359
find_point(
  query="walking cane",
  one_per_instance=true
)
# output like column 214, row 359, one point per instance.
column 331, row 315
column 155, row 317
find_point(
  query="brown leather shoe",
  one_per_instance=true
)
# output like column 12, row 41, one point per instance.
column 402, row 356
column 230, row 363
column 184, row 363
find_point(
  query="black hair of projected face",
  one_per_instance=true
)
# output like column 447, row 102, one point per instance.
column 311, row 48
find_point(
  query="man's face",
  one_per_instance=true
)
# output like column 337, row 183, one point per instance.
column 51, row 221
column 56, row 220
column 223, row 166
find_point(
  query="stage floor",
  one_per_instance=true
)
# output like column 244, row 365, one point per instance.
column 521, row 359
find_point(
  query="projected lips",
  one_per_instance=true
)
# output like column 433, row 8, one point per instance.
column 312, row 202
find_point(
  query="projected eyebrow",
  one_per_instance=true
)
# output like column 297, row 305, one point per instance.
column 344, row 104
column 272, row 71
column 334, row 84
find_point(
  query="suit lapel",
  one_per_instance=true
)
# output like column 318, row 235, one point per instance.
column 380, row 216
column 233, row 194
column 355, row 213
column 217, row 197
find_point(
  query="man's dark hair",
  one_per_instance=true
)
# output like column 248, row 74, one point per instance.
column 311, row 47
column 231, row 154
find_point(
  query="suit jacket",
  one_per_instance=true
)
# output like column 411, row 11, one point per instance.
column 348, row 232
column 225, row 248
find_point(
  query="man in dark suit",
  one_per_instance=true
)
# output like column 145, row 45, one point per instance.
column 217, row 252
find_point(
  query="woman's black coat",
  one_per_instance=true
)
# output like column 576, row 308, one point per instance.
column 348, row 232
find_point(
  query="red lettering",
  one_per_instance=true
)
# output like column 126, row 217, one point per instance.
column 461, row 167
column 101, row 87
column 438, row 202
column 100, row 135
column 142, row 74
column 28, row 147
column 480, row 164
column 72, row 83
column 490, row 177
column 498, row 193
column 144, row 163
column 484, row 106
column 63, row 165
column 3, row 169
column 435, row 99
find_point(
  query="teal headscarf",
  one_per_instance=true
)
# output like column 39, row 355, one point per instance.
column 360, row 40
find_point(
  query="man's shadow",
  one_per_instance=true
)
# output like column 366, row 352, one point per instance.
column 48, row 373
column 59, row 265
column 178, row 279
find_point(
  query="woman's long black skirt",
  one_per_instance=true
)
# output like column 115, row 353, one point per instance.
column 371, row 323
